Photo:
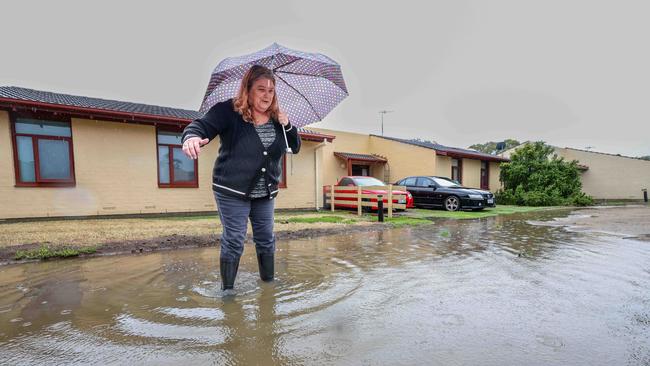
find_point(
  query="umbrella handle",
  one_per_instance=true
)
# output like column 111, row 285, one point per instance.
column 289, row 151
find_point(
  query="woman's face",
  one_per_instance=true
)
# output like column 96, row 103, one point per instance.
column 261, row 94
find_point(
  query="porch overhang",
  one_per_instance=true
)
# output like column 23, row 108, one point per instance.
column 352, row 158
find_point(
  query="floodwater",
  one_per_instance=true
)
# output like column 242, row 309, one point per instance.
column 508, row 290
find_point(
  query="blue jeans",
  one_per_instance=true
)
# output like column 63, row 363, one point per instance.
column 234, row 214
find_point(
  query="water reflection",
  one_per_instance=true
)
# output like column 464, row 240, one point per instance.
column 490, row 291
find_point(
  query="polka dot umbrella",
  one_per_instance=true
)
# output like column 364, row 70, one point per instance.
column 308, row 85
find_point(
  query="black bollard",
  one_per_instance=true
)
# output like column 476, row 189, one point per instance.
column 645, row 195
column 380, row 208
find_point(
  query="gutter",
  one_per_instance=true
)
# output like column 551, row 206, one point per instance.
column 317, row 188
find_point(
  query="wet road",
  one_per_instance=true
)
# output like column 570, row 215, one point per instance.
column 508, row 290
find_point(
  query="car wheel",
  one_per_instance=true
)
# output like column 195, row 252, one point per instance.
column 452, row 203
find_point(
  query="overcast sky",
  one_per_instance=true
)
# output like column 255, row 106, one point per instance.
column 572, row 73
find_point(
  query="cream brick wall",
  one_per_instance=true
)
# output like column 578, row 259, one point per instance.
column 334, row 168
column 404, row 159
column 610, row 176
column 471, row 173
column 494, row 180
column 301, row 186
column 116, row 173
column 443, row 166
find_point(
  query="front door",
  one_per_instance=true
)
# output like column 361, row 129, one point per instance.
column 485, row 175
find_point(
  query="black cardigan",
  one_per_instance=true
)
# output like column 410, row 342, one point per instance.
column 242, row 157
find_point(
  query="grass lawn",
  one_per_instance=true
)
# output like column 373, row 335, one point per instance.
column 91, row 233
column 94, row 232
column 488, row 212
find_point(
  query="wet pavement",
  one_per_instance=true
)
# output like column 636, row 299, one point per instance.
column 509, row 290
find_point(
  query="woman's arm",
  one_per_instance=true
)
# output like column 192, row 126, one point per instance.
column 293, row 138
column 209, row 126
column 202, row 130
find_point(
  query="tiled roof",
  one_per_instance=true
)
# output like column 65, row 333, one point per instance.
column 447, row 150
column 364, row 157
column 320, row 136
column 31, row 95
column 9, row 93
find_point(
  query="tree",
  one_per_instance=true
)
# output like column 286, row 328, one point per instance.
column 491, row 147
column 417, row 139
column 535, row 176
column 647, row 157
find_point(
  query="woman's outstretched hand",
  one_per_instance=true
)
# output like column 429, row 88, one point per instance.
column 192, row 146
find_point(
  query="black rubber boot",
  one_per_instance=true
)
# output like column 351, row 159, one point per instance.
column 228, row 273
column 266, row 264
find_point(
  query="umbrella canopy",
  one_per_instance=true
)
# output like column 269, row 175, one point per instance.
column 308, row 85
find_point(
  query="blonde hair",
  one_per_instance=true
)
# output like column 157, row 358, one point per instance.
column 241, row 102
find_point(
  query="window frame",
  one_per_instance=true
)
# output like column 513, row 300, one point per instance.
column 44, row 116
column 170, row 147
column 459, row 168
column 485, row 186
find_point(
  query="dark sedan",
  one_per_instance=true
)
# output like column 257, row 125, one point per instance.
column 443, row 192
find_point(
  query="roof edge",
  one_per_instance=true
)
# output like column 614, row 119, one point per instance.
column 453, row 154
column 126, row 116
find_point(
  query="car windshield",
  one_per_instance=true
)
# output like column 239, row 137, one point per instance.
column 368, row 181
column 444, row 182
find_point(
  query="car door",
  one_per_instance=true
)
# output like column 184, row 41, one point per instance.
column 424, row 186
column 438, row 194
column 410, row 185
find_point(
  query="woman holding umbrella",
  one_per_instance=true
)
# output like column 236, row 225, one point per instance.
column 247, row 171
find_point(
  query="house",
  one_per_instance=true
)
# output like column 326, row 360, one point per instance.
column 603, row 175
column 391, row 159
column 67, row 155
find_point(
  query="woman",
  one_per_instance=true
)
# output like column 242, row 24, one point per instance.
column 247, row 171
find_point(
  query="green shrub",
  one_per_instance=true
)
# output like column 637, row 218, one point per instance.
column 534, row 178
column 581, row 199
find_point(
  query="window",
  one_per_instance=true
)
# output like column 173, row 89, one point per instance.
column 345, row 182
column 485, row 175
column 42, row 150
column 410, row 182
column 457, row 170
column 444, row 182
column 174, row 168
column 367, row 181
column 424, row 182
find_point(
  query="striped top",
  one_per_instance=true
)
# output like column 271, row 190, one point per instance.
column 266, row 132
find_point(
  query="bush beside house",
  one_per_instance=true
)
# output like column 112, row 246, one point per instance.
column 535, row 178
